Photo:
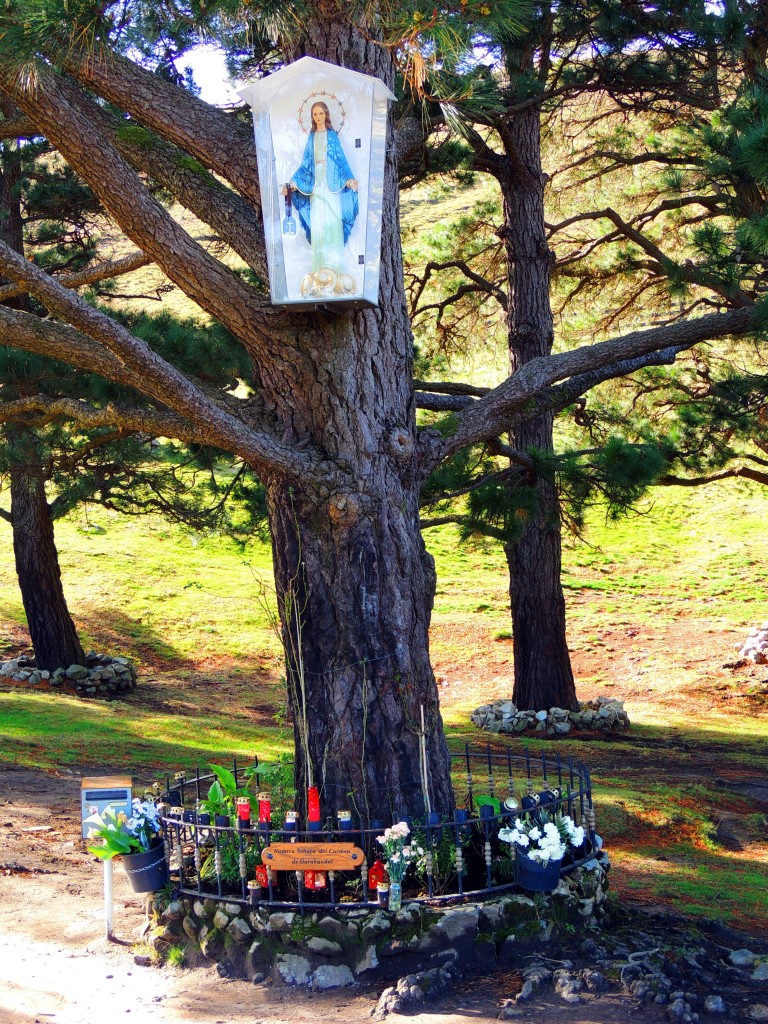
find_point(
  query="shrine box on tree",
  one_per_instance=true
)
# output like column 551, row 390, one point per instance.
column 320, row 143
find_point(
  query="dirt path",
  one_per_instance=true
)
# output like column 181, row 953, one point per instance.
column 56, row 965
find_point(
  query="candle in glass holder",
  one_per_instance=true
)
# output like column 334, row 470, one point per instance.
column 265, row 809
column 243, row 804
column 377, row 874
column 291, row 817
column 345, row 820
column 313, row 804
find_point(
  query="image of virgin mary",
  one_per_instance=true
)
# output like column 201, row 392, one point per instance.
column 324, row 194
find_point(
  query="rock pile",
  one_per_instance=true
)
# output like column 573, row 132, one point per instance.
column 755, row 647
column 604, row 713
column 100, row 676
column 690, row 973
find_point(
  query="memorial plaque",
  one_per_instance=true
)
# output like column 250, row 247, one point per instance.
column 313, row 856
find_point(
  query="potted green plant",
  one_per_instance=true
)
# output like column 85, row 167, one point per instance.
column 136, row 840
column 541, row 845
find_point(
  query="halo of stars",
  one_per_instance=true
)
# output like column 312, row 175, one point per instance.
column 331, row 100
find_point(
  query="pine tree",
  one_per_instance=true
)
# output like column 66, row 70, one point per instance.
column 330, row 427
column 664, row 65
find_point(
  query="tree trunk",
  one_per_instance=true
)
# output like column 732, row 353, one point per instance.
column 355, row 588
column 355, row 584
column 37, row 564
column 543, row 675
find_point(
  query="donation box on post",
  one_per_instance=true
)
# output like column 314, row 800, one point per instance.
column 99, row 793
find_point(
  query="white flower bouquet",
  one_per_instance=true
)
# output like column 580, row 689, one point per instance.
column 398, row 853
column 546, row 839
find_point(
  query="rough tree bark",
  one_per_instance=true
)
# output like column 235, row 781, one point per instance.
column 543, row 675
column 354, row 580
column 51, row 629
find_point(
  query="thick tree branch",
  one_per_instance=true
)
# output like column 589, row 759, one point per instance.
column 516, row 397
column 60, row 341
column 91, row 275
column 59, row 111
column 442, row 403
column 236, row 222
column 18, row 128
column 740, row 472
column 457, row 520
column 38, row 410
column 450, row 388
column 158, row 379
column 218, row 140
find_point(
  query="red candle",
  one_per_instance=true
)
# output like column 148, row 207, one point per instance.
column 243, row 808
column 313, row 804
column 261, row 876
column 377, row 874
column 265, row 809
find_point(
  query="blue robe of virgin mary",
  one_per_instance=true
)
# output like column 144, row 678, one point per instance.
column 338, row 173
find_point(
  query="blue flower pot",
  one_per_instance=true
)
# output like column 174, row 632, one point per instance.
column 535, row 876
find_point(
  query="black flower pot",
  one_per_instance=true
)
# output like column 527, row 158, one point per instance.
column 147, row 871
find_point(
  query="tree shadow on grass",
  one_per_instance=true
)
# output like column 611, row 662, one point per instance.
column 107, row 737
column 682, row 811
column 109, row 630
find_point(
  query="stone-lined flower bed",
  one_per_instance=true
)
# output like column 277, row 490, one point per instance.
column 604, row 714
column 322, row 950
column 100, row 676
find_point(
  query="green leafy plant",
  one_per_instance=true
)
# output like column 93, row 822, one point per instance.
column 277, row 778
column 224, row 792
column 444, row 850
column 229, row 848
column 174, row 957
column 121, row 835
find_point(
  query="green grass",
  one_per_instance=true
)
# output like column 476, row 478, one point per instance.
column 194, row 611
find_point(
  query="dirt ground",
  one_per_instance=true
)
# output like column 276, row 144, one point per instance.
column 57, row 966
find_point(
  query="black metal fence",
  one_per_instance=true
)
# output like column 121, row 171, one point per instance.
column 220, row 856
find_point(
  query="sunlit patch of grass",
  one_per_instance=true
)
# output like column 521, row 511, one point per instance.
column 44, row 732
column 193, row 611
column 696, row 882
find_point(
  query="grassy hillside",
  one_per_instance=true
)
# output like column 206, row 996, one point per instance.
column 655, row 606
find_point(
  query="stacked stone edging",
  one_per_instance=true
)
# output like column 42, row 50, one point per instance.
column 604, row 714
column 100, row 676
column 329, row 949
column 755, row 647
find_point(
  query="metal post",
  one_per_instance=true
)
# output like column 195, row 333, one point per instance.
column 108, row 899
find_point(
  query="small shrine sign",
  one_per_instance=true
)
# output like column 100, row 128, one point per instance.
column 312, row 856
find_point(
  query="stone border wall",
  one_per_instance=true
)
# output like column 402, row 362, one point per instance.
column 100, row 676
column 323, row 949
column 602, row 714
